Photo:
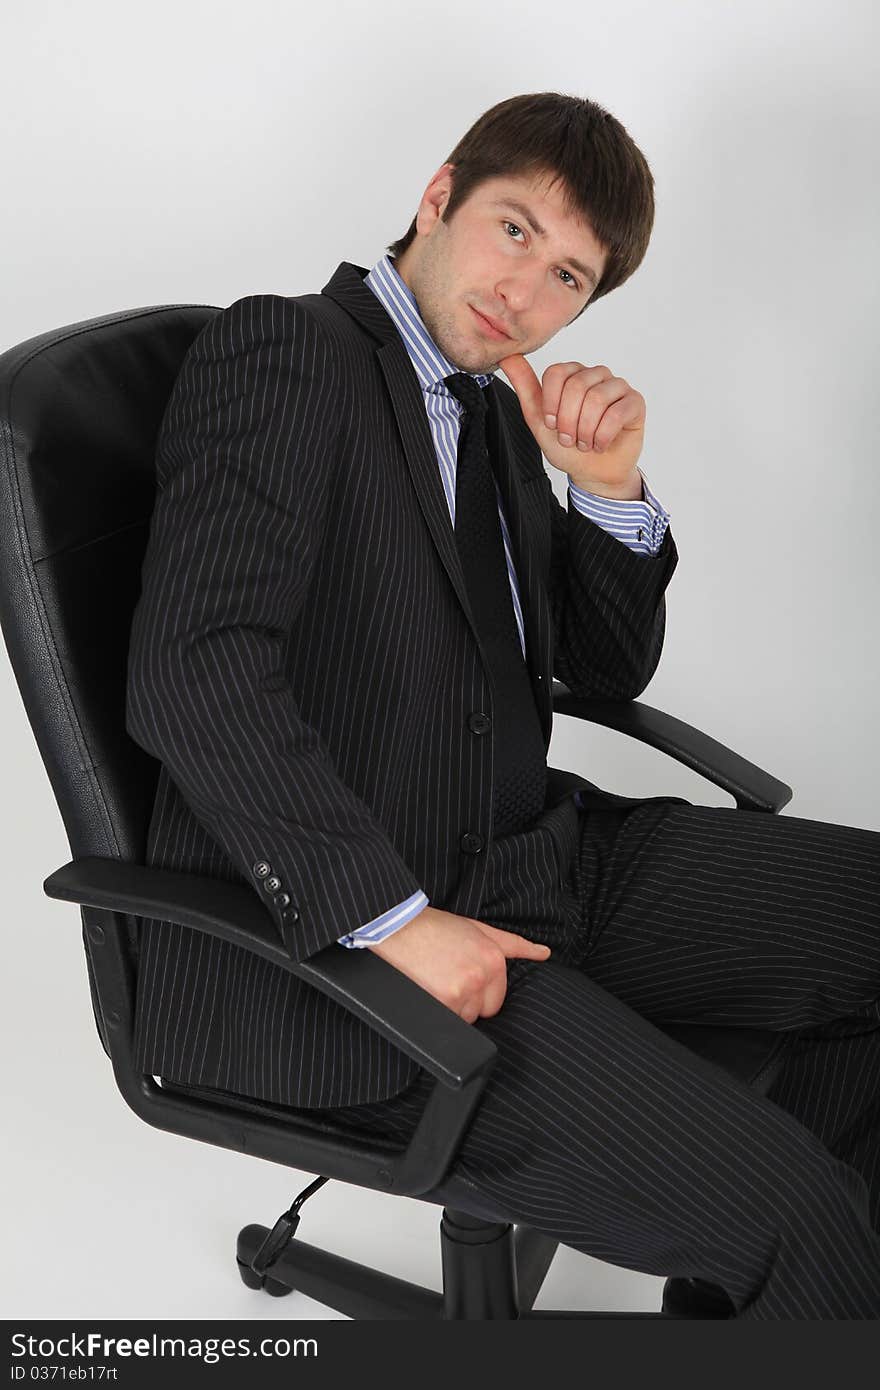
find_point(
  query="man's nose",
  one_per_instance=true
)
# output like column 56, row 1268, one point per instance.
column 519, row 295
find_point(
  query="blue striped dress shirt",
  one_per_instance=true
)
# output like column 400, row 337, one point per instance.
column 639, row 525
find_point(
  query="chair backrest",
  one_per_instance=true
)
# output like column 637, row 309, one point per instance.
column 80, row 411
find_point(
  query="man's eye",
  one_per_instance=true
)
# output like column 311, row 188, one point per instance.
column 570, row 281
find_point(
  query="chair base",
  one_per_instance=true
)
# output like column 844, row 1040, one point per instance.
column 491, row 1270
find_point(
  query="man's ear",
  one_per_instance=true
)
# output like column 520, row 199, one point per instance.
column 433, row 181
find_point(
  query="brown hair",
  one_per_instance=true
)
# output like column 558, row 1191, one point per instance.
column 605, row 177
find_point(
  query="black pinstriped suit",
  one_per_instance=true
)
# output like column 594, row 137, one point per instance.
column 303, row 664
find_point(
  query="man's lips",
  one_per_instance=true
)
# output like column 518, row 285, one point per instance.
column 493, row 323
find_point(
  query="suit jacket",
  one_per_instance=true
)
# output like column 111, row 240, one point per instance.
column 304, row 665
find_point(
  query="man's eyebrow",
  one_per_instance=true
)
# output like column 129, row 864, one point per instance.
column 536, row 227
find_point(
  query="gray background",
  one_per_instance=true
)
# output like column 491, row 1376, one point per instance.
column 195, row 152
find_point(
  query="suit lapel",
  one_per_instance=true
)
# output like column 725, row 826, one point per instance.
column 347, row 288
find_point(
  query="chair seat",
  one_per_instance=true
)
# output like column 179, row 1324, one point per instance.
column 275, row 1111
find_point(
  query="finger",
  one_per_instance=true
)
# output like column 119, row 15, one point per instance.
column 553, row 384
column 567, row 396
column 584, row 417
column 520, row 947
column 510, row 942
column 621, row 415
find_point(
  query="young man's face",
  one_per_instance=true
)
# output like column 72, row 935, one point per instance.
column 489, row 259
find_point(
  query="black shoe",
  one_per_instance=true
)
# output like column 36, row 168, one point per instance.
column 696, row 1298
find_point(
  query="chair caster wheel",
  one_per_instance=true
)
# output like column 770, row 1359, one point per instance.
column 275, row 1287
column 262, row 1281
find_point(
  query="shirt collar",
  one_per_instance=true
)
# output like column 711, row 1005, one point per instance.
column 398, row 300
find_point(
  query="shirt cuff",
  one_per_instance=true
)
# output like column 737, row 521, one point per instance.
column 390, row 922
column 639, row 525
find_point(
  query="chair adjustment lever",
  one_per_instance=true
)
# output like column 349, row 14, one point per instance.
column 282, row 1232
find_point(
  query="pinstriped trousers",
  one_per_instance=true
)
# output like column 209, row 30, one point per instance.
column 599, row 1129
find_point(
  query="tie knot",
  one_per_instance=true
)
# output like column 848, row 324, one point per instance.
column 469, row 392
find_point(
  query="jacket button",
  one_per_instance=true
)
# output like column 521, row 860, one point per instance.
column 261, row 868
column 479, row 722
column 291, row 914
column 272, row 884
column 471, row 843
column 282, row 899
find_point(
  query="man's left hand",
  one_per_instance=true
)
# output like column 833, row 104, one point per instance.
column 591, row 406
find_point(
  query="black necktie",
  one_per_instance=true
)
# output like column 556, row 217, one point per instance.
column 520, row 762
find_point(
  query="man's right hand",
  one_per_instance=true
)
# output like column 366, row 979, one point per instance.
column 457, row 959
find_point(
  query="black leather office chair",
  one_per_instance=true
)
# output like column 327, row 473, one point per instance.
column 80, row 409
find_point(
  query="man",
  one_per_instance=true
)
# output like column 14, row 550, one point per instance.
column 358, row 587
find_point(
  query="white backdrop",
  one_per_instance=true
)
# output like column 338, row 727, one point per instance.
column 198, row 152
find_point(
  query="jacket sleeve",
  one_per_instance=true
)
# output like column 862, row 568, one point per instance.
column 244, row 460
column 607, row 603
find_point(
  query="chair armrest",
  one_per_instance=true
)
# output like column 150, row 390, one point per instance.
column 753, row 788
column 410, row 1017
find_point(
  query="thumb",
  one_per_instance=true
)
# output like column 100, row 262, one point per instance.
column 524, row 947
column 512, row 944
column 522, row 378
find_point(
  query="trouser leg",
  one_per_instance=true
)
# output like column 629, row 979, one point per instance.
column 717, row 915
column 602, row 1131
column 598, row 1128
column 737, row 918
column 831, row 1083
